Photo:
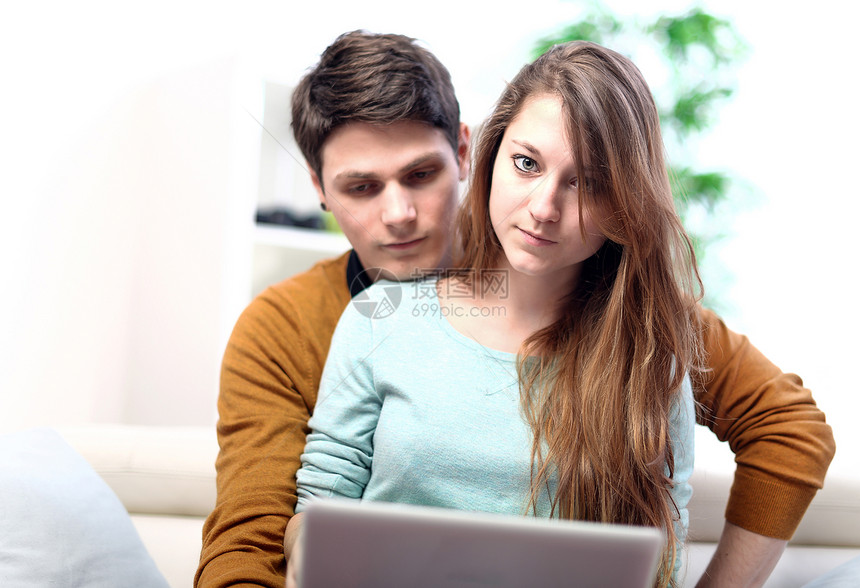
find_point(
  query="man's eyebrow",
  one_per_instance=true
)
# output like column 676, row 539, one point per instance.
column 422, row 159
column 363, row 175
column 354, row 175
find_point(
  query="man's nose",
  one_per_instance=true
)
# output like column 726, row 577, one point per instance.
column 398, row 205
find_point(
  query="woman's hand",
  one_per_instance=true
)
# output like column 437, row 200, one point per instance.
column 293, row 550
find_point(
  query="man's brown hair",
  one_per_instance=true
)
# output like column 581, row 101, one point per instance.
column 372, row 78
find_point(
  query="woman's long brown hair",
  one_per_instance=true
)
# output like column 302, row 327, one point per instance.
column 597, row 386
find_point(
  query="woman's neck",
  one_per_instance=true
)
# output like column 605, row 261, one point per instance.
column 506, row 307
column 535, row 302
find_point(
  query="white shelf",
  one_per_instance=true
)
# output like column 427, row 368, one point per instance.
column 281, row 252
column 300, row 238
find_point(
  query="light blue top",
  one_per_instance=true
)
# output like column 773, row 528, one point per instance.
column 410, row 410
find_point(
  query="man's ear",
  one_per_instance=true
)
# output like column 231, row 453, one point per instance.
column 464, row 150
column 315, row 180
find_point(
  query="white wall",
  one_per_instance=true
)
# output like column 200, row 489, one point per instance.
column 127, row 235
column 125, row 141
column 194, row 215
column 126, row 194
column 791, row 133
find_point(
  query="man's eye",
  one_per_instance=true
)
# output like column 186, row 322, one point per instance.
column 525, row 164
column 361, row 188
column 422, row 176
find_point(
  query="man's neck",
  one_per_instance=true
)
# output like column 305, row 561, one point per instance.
column 356, row 278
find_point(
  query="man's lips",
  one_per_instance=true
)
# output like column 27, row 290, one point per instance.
column 535, row 239
column 403, row 245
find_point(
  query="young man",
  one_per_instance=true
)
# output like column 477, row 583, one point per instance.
column 378, row 122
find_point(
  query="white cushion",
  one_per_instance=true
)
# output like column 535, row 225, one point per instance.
column 174, row 543
column 845, row 576
column 60, row 524
column 153, row 469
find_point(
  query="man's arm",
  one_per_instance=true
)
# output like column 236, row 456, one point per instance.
column 269, row 379
column 743, row 559
column 782, row 447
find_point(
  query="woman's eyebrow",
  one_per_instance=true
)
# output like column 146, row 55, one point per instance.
column 527, row 146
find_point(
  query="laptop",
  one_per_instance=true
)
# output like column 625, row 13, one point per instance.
column 357, row 544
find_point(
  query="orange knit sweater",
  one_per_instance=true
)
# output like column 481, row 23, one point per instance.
column 269, row 379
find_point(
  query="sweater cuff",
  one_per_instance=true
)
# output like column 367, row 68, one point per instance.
column 243, row 568
column 767, row 506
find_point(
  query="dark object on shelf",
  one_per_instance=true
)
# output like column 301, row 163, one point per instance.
column 287, row 218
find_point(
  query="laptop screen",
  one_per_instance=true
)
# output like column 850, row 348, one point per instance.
column 379, row 545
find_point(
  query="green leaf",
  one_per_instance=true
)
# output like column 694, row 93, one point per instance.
column 692, row 110
column 598, row 26
column 705, row 188
column 696, row 29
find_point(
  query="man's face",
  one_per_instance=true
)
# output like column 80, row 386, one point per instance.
column 394, row 190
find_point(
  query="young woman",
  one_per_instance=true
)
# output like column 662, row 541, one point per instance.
column 551, row 374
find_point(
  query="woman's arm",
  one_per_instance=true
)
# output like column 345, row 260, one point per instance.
column 339, row 449
column 683, row 434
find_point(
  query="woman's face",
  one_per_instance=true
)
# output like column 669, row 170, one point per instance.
column 534, row 199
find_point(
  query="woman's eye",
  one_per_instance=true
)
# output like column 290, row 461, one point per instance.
column 587, row 182
column 525, row 164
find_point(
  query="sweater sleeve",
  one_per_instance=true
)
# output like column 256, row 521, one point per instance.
column 339, row 450
column 683, row 424
column 780, row 439
column 269, row 378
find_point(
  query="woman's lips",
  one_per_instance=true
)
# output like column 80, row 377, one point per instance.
column 536, row 240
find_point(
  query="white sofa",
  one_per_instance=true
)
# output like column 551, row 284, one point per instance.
column 165, row 477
